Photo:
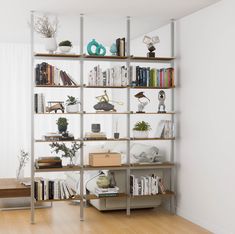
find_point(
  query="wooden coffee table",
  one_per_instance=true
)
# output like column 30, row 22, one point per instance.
column 12, row 188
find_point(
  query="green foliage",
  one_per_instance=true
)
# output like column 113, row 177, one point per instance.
column 71, row 101
column 66, row 151
column 142, row 126
column 65, row 43
column 63, row 122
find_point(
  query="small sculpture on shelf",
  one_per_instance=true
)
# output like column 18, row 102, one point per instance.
column 161, row 99
column 99, row 48
column 55, row 106
column 150, row 42
column 104, row 103
column 143, row 101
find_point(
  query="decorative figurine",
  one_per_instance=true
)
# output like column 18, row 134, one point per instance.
column 150, row 42
column 142, row 102
column 55, row 106
column 113, row 49
column 99, row 48
column 161, row 98
column 104, row 103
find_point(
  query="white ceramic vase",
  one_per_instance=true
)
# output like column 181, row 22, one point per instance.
column 140, row 134
column 72, row 108
column 50, row 45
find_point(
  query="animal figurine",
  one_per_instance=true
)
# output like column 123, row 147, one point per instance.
column 161, row 99
column 55, row 106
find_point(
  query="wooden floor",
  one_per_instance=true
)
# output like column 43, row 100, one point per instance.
column 63, row 218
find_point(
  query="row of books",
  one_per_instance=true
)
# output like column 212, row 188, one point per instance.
column 39, row 103
column 146, row 185
column 48, row 162
column 106, row 192
column 46, row 74
column 144, row 76
column 45, row 189
column 115, row 76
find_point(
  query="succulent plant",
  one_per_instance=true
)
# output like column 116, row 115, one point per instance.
column 71, row 101
column 65, row 43
column 142, row 126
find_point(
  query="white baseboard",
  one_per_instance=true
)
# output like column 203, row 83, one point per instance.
column 203, row 223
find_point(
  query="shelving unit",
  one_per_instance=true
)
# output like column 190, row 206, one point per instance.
column 128, row 167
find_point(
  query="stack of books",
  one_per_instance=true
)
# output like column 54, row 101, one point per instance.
column 48, row 162
column 146, row 77
column 165, row 129
column 106, row 192
column 115, row 76
column 146, row 185
column 46, row 189
column 46, row 74
column 53, row 136
column 95, row 136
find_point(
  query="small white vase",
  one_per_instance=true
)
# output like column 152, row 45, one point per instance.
column 50, row 44
column 140, row 134
column 72, row 108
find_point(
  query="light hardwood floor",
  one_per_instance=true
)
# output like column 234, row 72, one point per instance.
column 63, row 218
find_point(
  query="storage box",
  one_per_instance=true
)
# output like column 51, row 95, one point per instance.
column 104, row 159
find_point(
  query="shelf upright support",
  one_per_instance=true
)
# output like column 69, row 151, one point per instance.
column 172, row 152
column 32, row 114
column 81, row 118
column 128, row 172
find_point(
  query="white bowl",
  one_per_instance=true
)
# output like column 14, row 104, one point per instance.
column 65, row 49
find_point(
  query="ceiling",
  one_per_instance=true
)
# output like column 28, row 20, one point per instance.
column 101, row 17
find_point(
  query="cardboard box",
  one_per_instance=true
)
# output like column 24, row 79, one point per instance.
column 104, row 159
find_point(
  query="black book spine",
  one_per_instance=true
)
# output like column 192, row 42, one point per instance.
column 118, row 46
column 137, row 75
column 36, row 190
column 42, row 189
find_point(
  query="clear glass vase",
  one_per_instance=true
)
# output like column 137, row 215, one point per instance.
column 20, row 174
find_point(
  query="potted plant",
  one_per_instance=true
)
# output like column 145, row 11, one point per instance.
column 65, row 46
column 48, row 31
column 141, row 129
column 72, row 104
column 67, row 152
column 62, row 124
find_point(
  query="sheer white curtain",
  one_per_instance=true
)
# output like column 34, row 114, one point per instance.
column 15, row 105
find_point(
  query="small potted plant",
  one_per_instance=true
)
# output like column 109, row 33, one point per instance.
column 67, row 152
column 48, row 31
column 72, row 104
column 65, row 46
column 141, row 129
column 62, row 124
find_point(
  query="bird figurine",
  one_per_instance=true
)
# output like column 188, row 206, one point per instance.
column 142, row 102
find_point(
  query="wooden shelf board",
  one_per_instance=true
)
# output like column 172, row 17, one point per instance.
column 106, row 113
column 145, row 87
column 168, row 193
column 93, row 196
column 59, row 113
column 155, row 59
column 105, row 87
column 57, row 55
column 152, row 165
column 44, row 141
column 77, row 197
column 111, row 57
column 108, row 139
column 151, row 139
column 57, row 86
column 122, row 167
column 153, row 113
column 64, row 168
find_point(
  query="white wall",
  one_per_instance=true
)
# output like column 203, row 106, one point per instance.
column 205, row 97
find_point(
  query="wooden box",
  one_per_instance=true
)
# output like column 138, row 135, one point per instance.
column 104, row 159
